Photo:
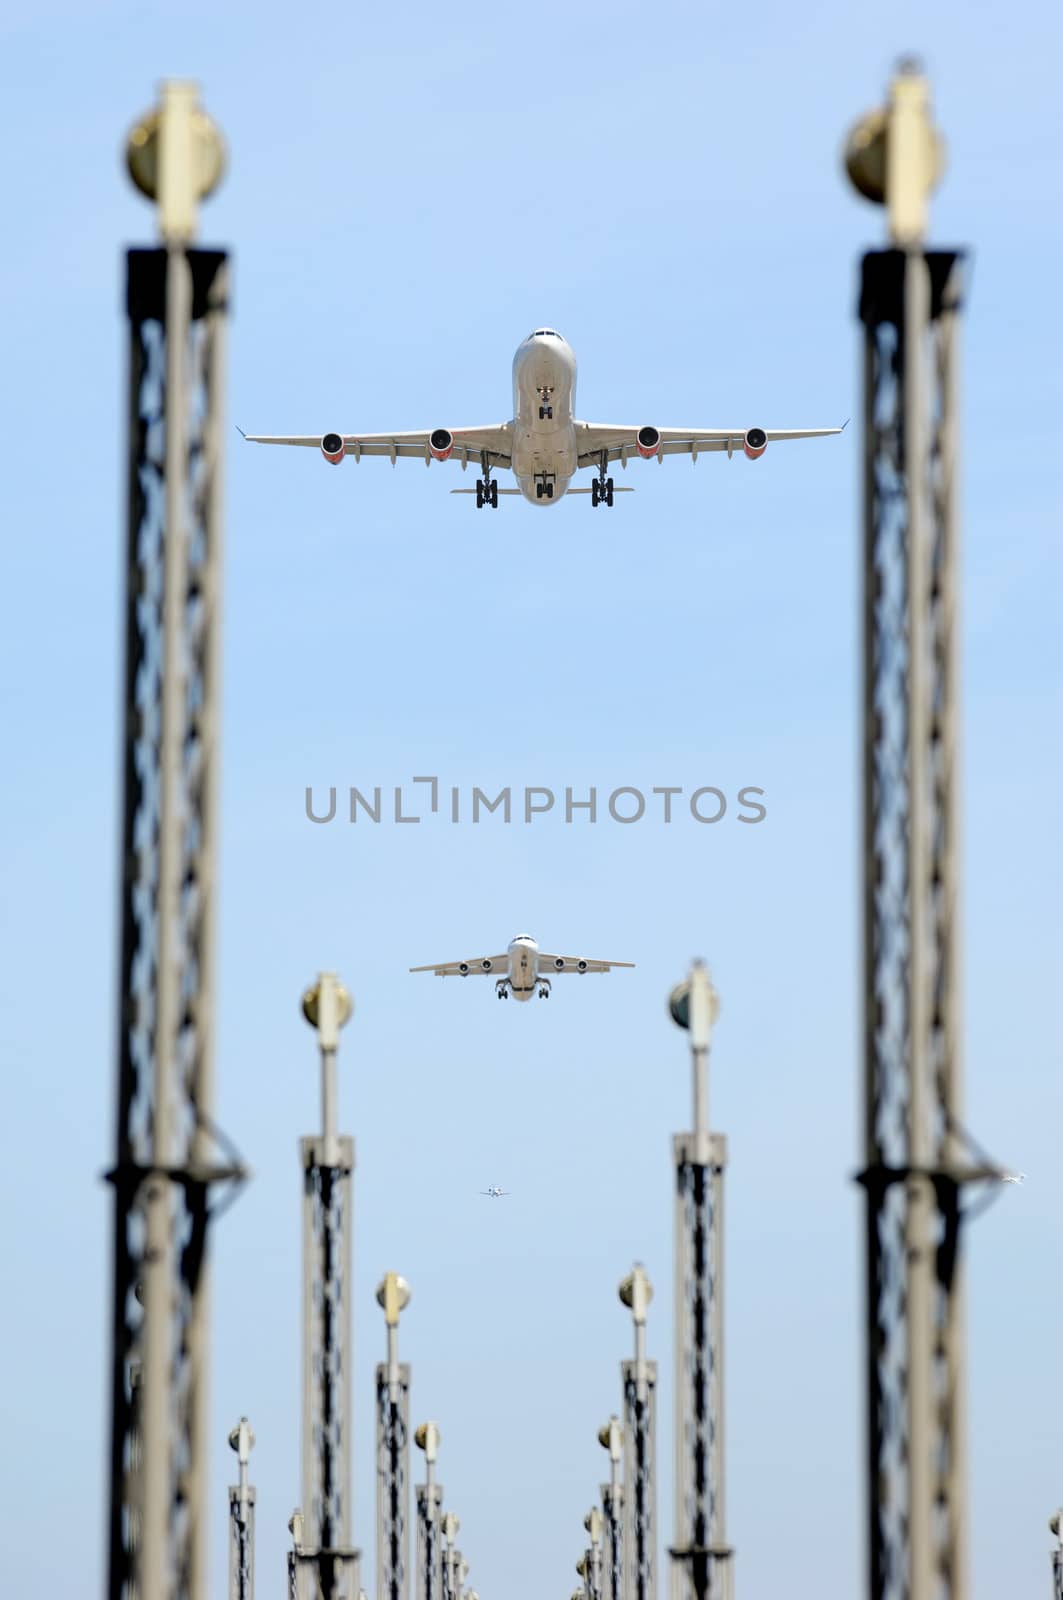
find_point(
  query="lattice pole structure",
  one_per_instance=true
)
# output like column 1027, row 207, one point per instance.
column 242, row 1519
column 589, row 1565
column 450, row 1526
column 914, row 1166
column 701, row 1558
column 392, row 1451
column 639, row 1384
column 429, row 1516
column 327, row 1565
column 611, row 1438
column 166, row 1145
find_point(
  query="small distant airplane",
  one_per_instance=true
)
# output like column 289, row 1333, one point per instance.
column 544, row 446
column 1012, row 1177
column 494, row 1194
column 522, row 967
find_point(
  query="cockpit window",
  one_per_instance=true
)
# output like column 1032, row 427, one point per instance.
column 545, row 333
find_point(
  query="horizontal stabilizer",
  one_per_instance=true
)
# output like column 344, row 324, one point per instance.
column 473, row 491
column 621, row 488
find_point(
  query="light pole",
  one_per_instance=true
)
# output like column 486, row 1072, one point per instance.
column 166, row 1160
column 915, row 1161
column 611, row 1438
column 242, row 1518
column 393, row 1449
column 327, row 1164
column 701, row 1559
column 639, row 1378
column 430, row 1584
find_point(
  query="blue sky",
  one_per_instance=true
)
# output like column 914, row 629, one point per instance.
column 406, row 198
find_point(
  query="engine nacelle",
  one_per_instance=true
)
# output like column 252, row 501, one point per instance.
column 441, row 443
column 648, row 442
column 332, row 448
column 755, row 443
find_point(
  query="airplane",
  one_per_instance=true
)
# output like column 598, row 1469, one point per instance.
column 494, row 1194
column 521, row 967
column 1012, row 1177
column 544, row 446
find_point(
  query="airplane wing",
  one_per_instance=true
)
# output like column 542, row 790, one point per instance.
column 465, row 969
column 618, row 443
column 576, row 964
column 469, row 444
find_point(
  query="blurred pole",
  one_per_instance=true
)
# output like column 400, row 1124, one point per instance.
column 450, row 1527
column 392, row 1451
column 165, row 1166
column 1056, row 1525
column 909, row 305
column 701, row 1559
column 242, row 1519
column 611, row 1438
column 592, row 1556
column 639, row 1380
column 429, row 1513
column 325, row 1550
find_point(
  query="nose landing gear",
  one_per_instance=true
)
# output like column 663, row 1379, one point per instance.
column 546, row 410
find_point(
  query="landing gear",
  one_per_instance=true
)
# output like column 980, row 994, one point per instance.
column 544, row 993
column 486, row 487
column 502, row 990
column 546, row 410
column 544, row 488
column 601, row 486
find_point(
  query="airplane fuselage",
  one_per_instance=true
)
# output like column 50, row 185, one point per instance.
column 544, row 432
column 523, row 955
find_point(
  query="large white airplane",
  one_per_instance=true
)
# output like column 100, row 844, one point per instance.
column 523, row 968
column 544, row 445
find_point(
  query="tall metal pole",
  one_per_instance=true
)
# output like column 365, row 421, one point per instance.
column 611, row 1438
column 909, row 305
column 165, row 1166
column 392, row 1451
column 639, row 1381
column 242, row 1519
column 324, row 1551
column 701, row 1558
column 429, row 1515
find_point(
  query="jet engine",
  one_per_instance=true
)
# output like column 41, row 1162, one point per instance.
column 441, row 443
column 332, row 448
column 755, row 443
column 648, row 441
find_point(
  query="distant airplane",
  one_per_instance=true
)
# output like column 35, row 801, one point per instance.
column 522, row 967
column 1012, row 1177
column 544, row 445
column 494, row 1194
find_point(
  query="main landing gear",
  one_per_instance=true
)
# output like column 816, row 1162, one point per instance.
column 486, row 487
column 544, row 989
column 544, row 488
column 601, row 486
column 502, row 989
